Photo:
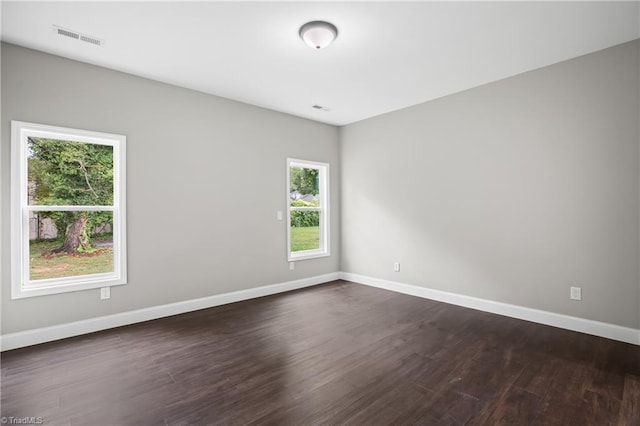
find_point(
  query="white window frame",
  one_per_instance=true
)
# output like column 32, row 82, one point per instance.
column 323, row 187
column 22, row 286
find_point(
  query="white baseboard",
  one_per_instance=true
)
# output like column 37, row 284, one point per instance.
column 62, row 331
column 596, row 328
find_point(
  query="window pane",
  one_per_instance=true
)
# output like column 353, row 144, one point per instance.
column 307, row 203
column 305, row 230
column 85, row 248
column 304, row 187
column 69, row 173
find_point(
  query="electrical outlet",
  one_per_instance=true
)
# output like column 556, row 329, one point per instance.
column 292, row 266
column 279, row 215
column 396, row 266
column 576, row 293
column 105, row 293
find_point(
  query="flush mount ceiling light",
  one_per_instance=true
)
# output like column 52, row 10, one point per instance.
column 318, row 34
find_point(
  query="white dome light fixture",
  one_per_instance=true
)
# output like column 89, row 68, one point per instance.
column 318, row 34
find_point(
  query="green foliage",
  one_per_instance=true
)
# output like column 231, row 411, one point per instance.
column 71, row 173
column 37, row 171
column 305, row 218
column 302, row 203
column 303, row 180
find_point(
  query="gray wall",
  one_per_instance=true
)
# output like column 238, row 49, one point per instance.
column 205, row 178
column 512, row 192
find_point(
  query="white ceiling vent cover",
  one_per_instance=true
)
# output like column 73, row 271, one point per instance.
column 65, row 32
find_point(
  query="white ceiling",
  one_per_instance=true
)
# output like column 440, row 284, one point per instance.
column 388, row 55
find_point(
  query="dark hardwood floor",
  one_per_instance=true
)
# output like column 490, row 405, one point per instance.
column 338, row 353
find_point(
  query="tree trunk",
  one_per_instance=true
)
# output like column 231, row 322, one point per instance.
column 73, row 237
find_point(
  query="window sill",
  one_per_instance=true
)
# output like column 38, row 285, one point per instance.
column 48, row 287
column 307, row 254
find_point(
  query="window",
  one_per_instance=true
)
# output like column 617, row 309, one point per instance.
column 308, row 209
column 67, row 210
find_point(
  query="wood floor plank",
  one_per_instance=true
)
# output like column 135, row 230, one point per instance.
column 338, row 353
column 630, row 408
column 516, row 405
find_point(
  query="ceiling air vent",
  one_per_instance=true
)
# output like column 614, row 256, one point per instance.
column 91, row 40
column 321, row 108
column 65, row 32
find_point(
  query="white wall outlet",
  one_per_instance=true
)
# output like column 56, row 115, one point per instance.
column 292, row 266
column 279, row 215
column 396, row 266
column 576, row 293
column 105, row 293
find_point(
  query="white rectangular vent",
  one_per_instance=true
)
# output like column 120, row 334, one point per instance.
column 65, row 32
